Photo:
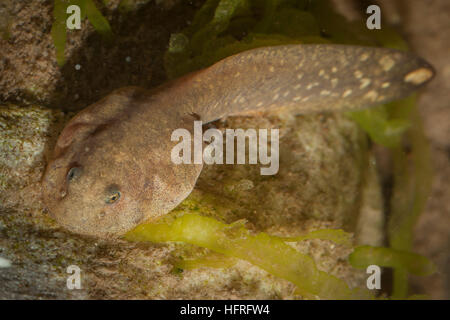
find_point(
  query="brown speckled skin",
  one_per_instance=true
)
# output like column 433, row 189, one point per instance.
column 122, row 143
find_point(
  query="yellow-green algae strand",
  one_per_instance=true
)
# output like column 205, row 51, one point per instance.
column 268, row 252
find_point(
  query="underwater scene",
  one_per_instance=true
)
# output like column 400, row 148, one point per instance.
column 224, row 150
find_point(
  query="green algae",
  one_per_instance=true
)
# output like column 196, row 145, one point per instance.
column 382, row 129
column 337, row 236
column 412, row 186
column 364, row 256
column 234, row 240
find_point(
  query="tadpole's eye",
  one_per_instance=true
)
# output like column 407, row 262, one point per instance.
column 73, row 173
column 113, row 197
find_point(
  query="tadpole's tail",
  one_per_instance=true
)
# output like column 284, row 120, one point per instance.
column 303, row 78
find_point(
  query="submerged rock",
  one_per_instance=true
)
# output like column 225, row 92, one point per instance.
column 320, row 184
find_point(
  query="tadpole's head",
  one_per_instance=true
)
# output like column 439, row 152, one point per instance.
column 102, row 183
column 92, row 188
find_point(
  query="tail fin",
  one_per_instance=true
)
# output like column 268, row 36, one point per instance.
column 305, row 78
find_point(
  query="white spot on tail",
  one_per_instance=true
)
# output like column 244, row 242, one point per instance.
column 334, row 82
column 371, row 95
column 365, row 83
column 312, row 85
column 387, row 63
column 364, row 57
column 347, row 93
column 419, row 76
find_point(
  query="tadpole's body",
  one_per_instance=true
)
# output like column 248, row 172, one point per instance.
column 112, row 168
